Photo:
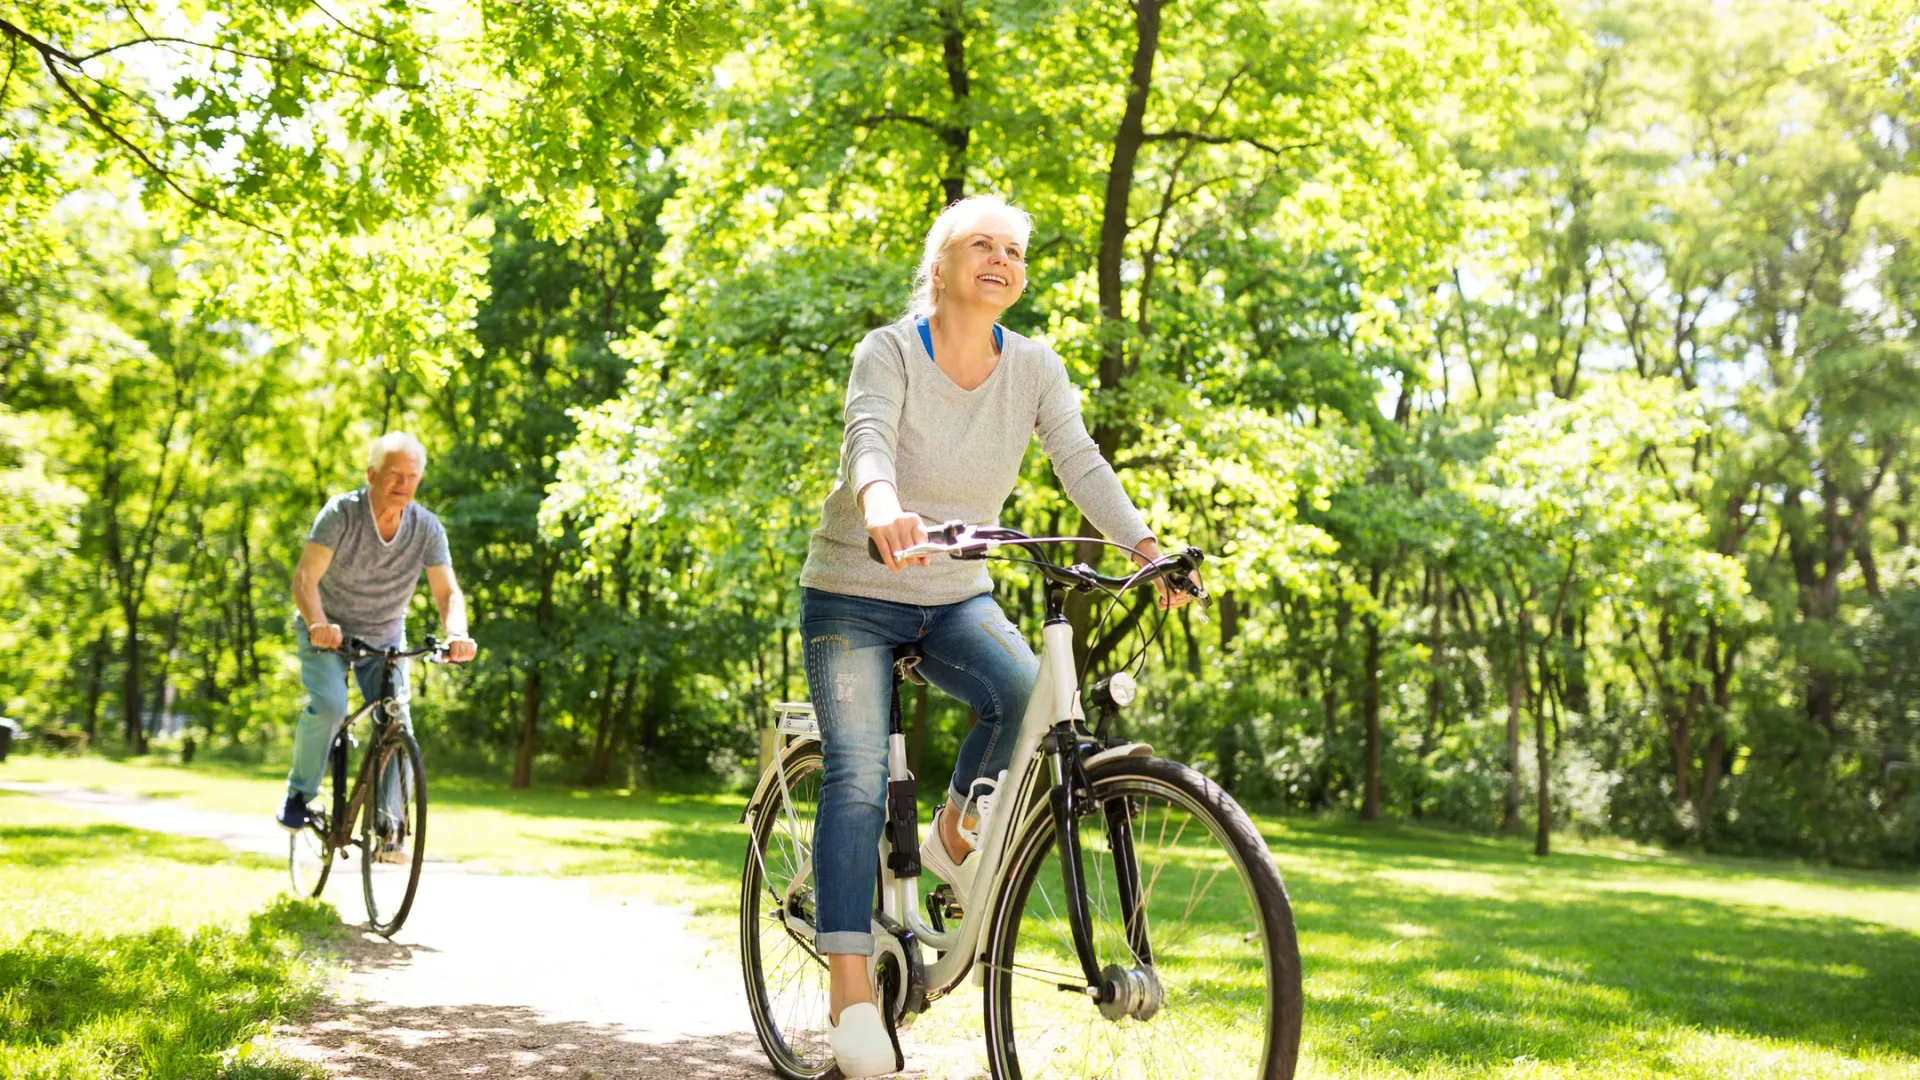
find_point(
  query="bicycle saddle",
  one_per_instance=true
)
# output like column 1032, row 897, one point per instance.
column 906, row 661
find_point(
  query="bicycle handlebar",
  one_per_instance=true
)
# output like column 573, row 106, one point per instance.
column 959, row 540
column 355, row 650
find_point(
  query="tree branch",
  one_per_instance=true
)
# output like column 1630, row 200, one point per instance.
column 51, row 57
column 1203, row 137
column 904, row 118
column 289, row 59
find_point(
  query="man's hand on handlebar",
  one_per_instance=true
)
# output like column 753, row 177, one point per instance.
column 460, row 648
column 325, row 636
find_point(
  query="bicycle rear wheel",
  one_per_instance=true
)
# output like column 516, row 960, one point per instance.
column 310, row 856
column 1207, row 964
column 393, row 830
column 787, row 986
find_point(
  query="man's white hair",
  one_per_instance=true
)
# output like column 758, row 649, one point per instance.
column 950, row 222
column 394, row 442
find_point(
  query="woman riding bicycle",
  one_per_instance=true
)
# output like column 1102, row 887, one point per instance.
column 940, row 408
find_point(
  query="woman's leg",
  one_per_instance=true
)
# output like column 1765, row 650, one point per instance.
column 976, row 654
column 849, row 650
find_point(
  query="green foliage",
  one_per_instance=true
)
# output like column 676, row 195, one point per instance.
column 1540, row 379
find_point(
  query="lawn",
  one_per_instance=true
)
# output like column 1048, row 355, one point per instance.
column 1427, row 953
column 126, row 953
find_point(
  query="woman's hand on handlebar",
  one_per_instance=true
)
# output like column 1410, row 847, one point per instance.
column 1169, row 597
column 891, row 528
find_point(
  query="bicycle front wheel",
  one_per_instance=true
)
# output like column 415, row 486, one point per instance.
column 787, row 987
column 1191, row 927
column 393, row 830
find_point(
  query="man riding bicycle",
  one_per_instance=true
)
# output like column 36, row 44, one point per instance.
column 362, row 561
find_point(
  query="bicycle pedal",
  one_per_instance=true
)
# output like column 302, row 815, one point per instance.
column 942, row 906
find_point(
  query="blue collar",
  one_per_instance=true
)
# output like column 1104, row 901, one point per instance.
column 926, row 336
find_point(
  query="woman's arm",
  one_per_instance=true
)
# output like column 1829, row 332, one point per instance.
column 1089, row 478
column 875, row 390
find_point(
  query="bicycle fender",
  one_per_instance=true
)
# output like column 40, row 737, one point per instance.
column 1115, row 753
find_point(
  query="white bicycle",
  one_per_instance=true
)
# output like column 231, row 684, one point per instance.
column 1159, row 946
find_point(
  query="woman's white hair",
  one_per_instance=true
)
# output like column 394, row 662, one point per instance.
column 945, row 227
column 394, row 442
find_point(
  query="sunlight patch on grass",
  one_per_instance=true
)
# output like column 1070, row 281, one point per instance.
column 127, row 954
column 1427, row 954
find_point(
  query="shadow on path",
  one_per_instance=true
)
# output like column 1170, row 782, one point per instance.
column 374, row 1040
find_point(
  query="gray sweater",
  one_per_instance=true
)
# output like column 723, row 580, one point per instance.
column 953, row 454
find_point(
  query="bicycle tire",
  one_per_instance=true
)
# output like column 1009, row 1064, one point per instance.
column 789, row 1019
column 390, row 888
column 1218, row 990
column 310, row 856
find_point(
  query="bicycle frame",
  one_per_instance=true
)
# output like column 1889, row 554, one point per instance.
column 346, row 808
column 1050, row 734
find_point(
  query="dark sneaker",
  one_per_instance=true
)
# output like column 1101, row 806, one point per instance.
column 294, row 816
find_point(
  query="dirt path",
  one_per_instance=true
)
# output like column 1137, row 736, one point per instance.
column 497, row 976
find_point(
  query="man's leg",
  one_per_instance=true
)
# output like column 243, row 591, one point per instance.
column 324, row 674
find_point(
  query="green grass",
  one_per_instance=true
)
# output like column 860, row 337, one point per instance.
column 1427, row 953
column 126, row 953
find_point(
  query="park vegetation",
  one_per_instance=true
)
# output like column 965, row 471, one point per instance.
column 1542, row 380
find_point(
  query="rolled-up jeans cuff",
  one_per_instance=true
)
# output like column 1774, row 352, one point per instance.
column 844, row 943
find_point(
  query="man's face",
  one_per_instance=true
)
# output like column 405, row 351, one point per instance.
column 394, row 482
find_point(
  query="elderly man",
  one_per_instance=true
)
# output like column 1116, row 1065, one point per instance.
column 362, row 562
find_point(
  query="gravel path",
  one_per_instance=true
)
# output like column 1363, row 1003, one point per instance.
column 498, row 976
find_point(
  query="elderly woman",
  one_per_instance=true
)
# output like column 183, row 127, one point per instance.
column 940, row 408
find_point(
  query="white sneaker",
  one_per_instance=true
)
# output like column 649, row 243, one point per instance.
column 935, row 860
column 933, row 851
column 860, row 1043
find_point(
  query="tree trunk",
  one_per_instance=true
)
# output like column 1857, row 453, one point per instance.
column 1128, row 138
column 96, row 669
column 1436, row 694
column 953, row 48
column 1370, row 706
column 248, row 655
column 530, row 697
column 132, row 725
column 622, row 716
column 529, row 725
column 603, row 733
column 1545, row 809
column 1516, row 700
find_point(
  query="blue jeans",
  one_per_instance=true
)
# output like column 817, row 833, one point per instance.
column 324, row 674
column 971, row 651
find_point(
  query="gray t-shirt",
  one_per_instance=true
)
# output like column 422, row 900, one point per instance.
column 953, row 454
column 367, row 586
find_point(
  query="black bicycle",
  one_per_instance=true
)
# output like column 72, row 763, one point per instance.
column 385, row 815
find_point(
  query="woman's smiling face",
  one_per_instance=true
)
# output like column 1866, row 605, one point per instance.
column 985, row 263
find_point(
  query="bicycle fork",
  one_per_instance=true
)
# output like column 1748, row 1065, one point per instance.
column 1119, row 990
